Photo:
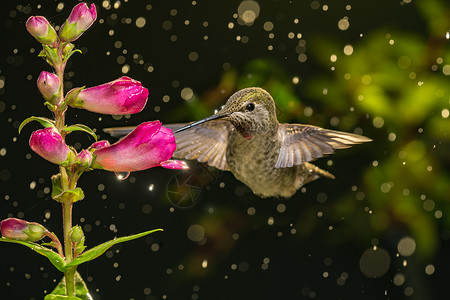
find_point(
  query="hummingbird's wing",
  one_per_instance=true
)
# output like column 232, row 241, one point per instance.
column 303, row 143
column 207, row 142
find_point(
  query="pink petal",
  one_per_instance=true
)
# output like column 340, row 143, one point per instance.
column 174, row 164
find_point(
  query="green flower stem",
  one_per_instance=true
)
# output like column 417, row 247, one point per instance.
column 67, row 182
column 56, row 242
column 68, row 251
column 60, row 113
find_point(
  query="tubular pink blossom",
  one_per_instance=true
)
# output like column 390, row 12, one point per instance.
column 119, row 97
column 80, row 19
column 41, row 29
column 48, row 85
column 22, row 230
column 147, row 146
column 49, row 144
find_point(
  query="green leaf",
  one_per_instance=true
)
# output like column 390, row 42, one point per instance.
column 75, row 194
column 50, row 106
column 80, row 127
column 52, row 56
column 42, row 53
column 95, row 252
column 56, row 185
column 72, row 96
column 44, row 122
column 54, row 257
column 81, row 291
column 70, row 54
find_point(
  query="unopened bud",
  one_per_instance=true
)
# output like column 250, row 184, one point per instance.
column 76, row 234
column 41, row 29
column 84, row 158
column 80, row 19
column 22, row 230
column 49, row 84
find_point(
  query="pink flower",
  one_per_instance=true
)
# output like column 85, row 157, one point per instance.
column 149, row 145
column 80, row 19
column 41, row 29
column 48, row 84
column 18, row 229
column 119, row 97
column 49, row 144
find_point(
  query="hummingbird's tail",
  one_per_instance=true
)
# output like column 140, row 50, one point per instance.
column 311, row 172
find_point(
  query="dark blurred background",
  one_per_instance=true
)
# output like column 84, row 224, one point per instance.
column 381, row 230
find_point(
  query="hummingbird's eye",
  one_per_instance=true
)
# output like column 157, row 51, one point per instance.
column 250, row 106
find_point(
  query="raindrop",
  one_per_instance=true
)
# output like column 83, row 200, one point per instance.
column 248, row 11
column 281, row 208
column 140, row 22
column 446, row 70
column 343, row 23
column 348, row 49
column 399, row 279
column 196, row 233
column 204, row 263
column 187, row 93
column 374, row 263
column 406, row 246
column 429, row 269
column 122, row 175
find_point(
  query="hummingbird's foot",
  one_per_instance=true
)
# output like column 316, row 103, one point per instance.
column 311, row 172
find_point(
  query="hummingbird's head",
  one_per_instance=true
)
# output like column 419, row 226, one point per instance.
column 250, row 110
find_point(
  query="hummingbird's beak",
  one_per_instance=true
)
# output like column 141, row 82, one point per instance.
column 210, row 118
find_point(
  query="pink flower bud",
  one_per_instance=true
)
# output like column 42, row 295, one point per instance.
column 84, row 158
column 80, row 19
column 49, row 144
column 119, row 97
column 21, row 230
column 48, row 84
column 147, row 146
column 41, row 29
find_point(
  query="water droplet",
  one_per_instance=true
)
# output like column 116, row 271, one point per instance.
column 122, row 175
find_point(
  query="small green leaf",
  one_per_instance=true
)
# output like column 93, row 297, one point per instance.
column 52, row 56
column 81, row 290
column 44, row 122
column 54, row 257
column 42, row 53
column 80, row 127
column 71, row 53
column 50, row 106
column 72, row 95
column 50, row 244
column 95, row 252
column 56, row 185
column 75, row 194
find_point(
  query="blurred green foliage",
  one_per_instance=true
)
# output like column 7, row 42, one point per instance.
column 396, row 85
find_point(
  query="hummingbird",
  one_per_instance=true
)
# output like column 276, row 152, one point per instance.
column 245, row 137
